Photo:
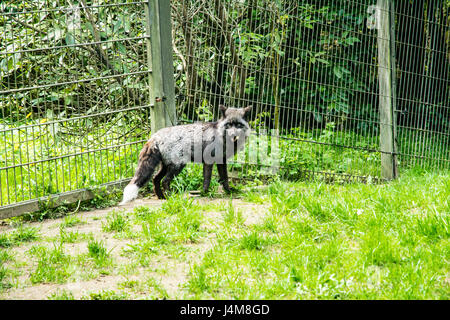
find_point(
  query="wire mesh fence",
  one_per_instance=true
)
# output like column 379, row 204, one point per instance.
column 311, row 68
column 75, row 99
column 74, row 95
column 423, row 70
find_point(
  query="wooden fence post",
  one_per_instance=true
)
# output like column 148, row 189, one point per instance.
column 160, row 59
column 387, row 80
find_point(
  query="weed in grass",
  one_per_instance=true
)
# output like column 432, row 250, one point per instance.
column 178, row 220
column 25, row 234
column 253, row 241
column 315, row 208
column 156, row 289
column 198, row 280
column 18, row 236
column 433, row 225
column 53, row 265
column 129, row 284
column 5, row 256
column 295, row 274
column 116, row 221
column 187, row 226
column 255, row 196
column 177, row 203
column 270, row 223
column 156, row 228
column 301, row 228
column 61, row 295
column 127, row 269
column 71, row 221
column 283, row 200
column 98, row 252
column 141, row 212
column 102, row 199
column 3, row 275
column 70, row 236
column 380, row 248
column 232, row 216
column 143, row 251
column 47, row 212
column 105, row 295
column 5, row 240
column 343, row 210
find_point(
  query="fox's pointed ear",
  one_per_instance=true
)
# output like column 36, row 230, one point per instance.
column 222, row 109
column 247, row 111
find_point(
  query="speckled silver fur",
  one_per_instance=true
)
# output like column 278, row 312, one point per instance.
column 208, row 143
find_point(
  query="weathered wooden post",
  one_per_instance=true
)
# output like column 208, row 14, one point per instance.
column 160, row 59
column 387, row 81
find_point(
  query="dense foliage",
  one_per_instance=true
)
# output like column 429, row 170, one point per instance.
column 304, row 64
column 309, row 63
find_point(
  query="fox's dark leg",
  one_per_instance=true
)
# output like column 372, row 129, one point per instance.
column 157, row 181
column 223, row 176
column 172, row 171
column 207, row 172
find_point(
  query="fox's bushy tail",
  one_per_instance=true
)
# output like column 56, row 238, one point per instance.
column 149, row 158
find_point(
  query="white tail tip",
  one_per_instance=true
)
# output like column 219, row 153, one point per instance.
column 129, row 193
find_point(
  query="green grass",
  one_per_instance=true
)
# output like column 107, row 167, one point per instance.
column 71, row 221
column 53, row 265
column 98, row 252
column 309, row 240
column 105, row 295
column 61, row 295
column 232, row 216
column 5, row 257
column 177, row 221
column 116, row 221
column 325, row 241
column 19, row 235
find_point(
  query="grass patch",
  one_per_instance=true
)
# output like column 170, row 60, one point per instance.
column 105, row 295
column 329, row 241
column 20, row 235
column 53, row 265
column 98, row 252
column 232, row 216
column 116, row 221
column 61, row 295
column 177, row 221
column 5, row 256
column 71, row 221
column 66, row 236
column 309, row 240
column 254, row 241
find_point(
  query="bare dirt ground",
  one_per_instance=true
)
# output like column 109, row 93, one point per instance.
column 164, row 277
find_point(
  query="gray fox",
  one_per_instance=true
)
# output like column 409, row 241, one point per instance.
column 201, row 142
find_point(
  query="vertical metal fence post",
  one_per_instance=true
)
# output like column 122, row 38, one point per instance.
column 160, row 59
column 394, row 87
column 386, row 68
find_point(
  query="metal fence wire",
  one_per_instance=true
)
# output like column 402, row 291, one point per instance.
column 75, row 94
